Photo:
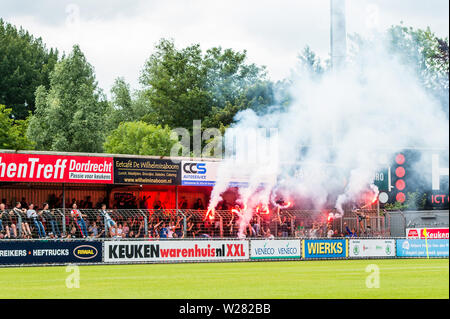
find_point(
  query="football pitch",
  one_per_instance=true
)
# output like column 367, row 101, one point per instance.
column 398, row 278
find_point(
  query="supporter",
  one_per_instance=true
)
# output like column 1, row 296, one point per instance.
column 7, row 224
column 350, row 233
column 314, row 231
column 78, row 217
column 183, row 204
column 330, row 232
column 33, row 216
column 73, row 232
column 141, row 231
column 50, row 219
column 88, row 203
column 126, row 230
column 119, row 231
column 93, row 229
column 268, row 234
column 197, row 229
column 158, row 206
column 24, row 225
column 361, row 218
column 163, row 233
column 23, row 203
column 143, row 203
column 283, row 226
column 198, row 205
column 189, row 229
column 111, row 225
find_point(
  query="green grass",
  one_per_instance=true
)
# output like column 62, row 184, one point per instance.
column 399, row 278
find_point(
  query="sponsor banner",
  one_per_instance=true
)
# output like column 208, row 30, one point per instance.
column 176, row 250
column 275, row 249
column 417, row 247
column 206, row 174
column 55, row 168
column 432, row 233
column 43, row 252
column 199, row 173
column 146, row 171
column 372, row 247
column 324, row 248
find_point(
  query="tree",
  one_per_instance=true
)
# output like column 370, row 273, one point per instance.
column 126, row 106
column 25, row 64
column 186, row 85
column 311, row 62
column 12, row 132
column 140, row 138
column 70, row 116
column 428, row 54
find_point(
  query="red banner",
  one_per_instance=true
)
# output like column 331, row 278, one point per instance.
column 55, row 168
column 432, row 233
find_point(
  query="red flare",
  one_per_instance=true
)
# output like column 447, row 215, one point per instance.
column 264, row 210
column 210, row 214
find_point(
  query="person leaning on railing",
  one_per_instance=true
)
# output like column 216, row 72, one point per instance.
column 6, row 222
column 78, row 217
column 50, row 220
column 111, row 225
column 25, row 227
column 33, row 216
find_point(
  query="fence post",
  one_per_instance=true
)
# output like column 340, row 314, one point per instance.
column 19, row 222
column 146, row 225
column 106, row 226
column 292, row 228
column 63, row 221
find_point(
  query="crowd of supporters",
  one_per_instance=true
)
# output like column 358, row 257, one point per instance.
column 85, row 220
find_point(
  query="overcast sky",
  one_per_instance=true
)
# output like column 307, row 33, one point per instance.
column 118, row 36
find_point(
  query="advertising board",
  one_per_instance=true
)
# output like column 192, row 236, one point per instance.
column 372, row 247
column 176, row 250
column 432, row 233
column 43, row 252
column 324, row 248
column 146, row 171
column 418, row 247
column 275, row 249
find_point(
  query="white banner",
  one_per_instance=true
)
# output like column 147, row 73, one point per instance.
column 205, row 174
column 372, row 247
column 272, row 248
column 431, row 233
column 199, row 173
column 175, row 250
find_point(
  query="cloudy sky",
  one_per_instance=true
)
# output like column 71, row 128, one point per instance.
column 118, row 36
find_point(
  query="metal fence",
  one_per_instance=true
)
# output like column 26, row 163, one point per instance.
column 186, row 223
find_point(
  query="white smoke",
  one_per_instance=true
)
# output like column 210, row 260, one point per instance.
column 373, row 107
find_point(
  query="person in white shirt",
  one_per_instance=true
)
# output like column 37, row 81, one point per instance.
column 110, row 224
column 330, row 232
column 32, row 215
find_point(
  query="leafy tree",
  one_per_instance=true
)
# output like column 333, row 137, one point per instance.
column 311, row 62
column 126, row 106
column 70, row 116
column 140, row 138
column 428, row 54
column 185, row 85
column 12, row 132
column 25, row 64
